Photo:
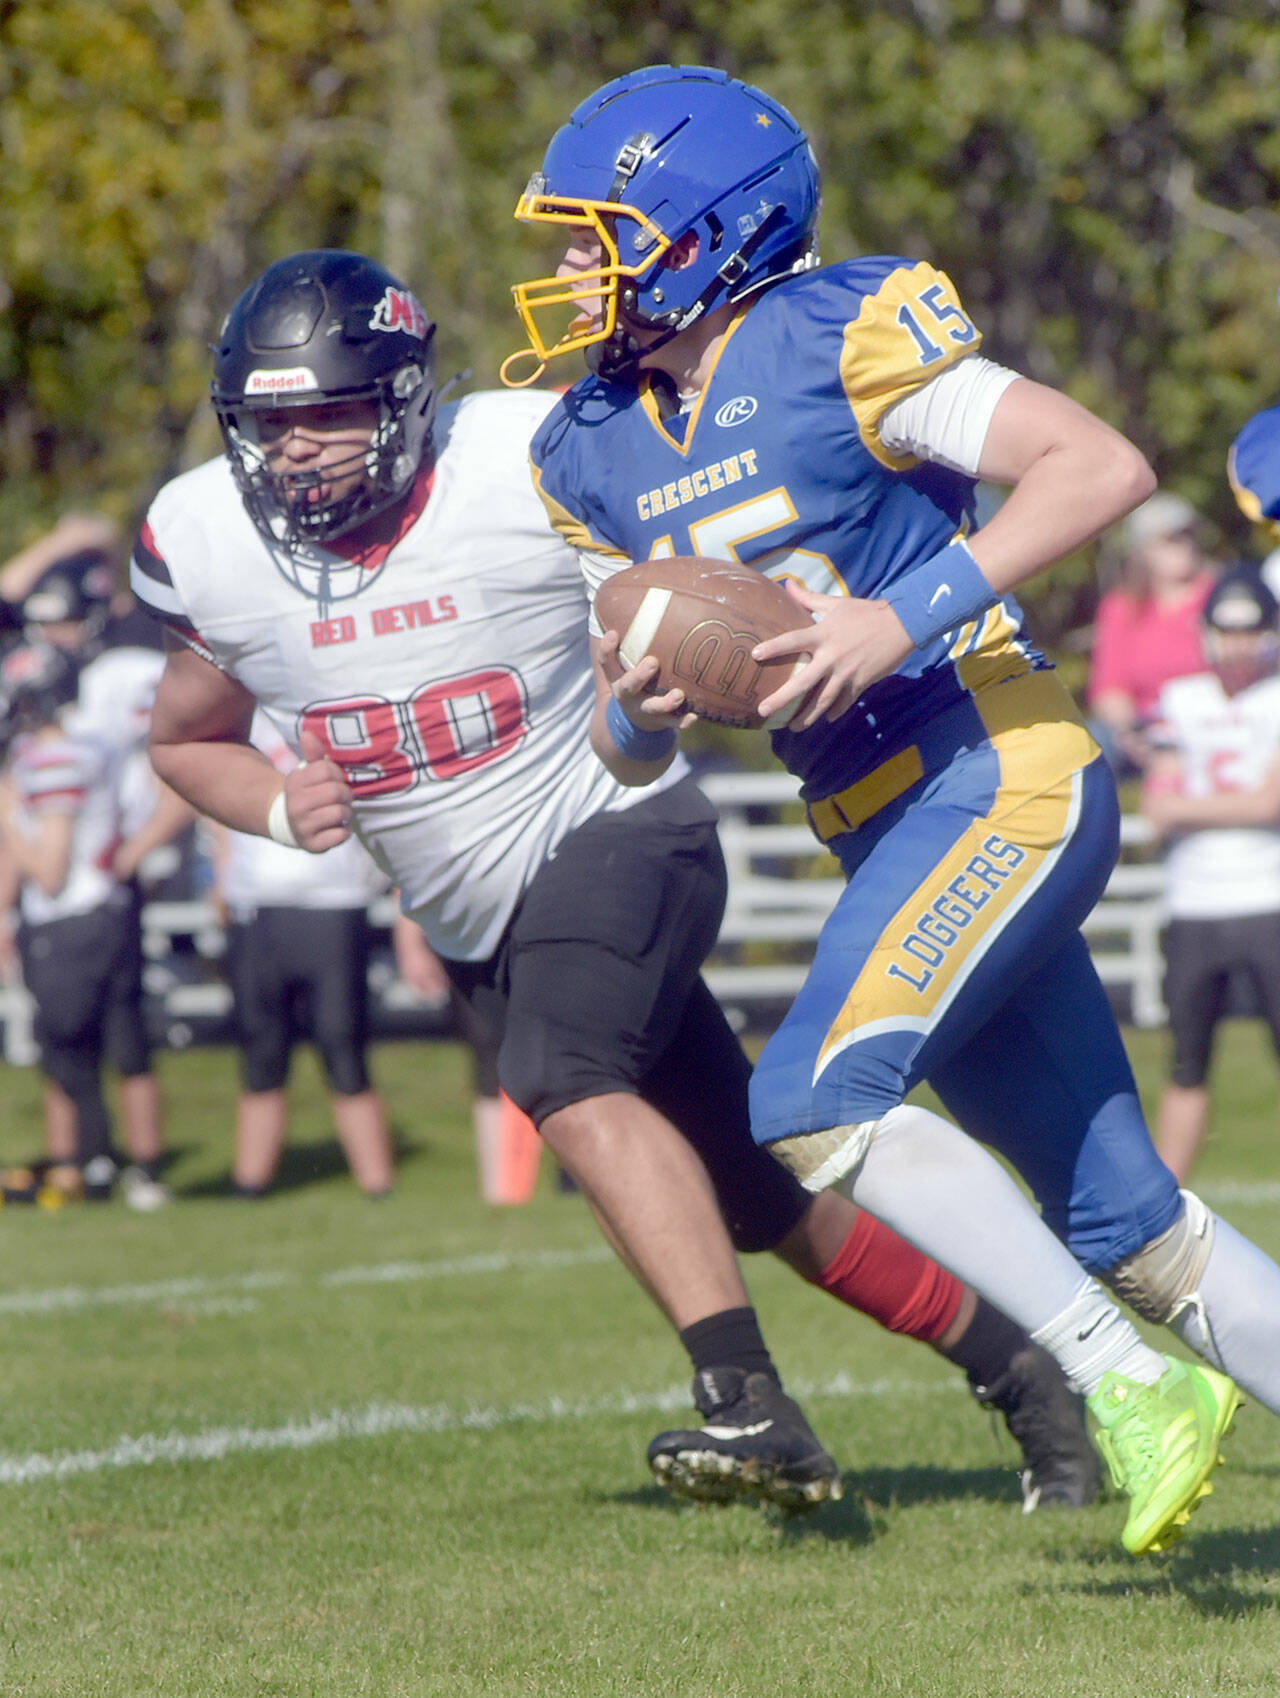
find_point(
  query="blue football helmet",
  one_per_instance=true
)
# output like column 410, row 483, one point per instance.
column 1253, row 467
column 651, row 157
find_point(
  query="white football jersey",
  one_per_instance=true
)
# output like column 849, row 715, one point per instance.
column 1226, row 743
column 115, row 694
column 257, row 872
column 62, row 774
column 113, row 704
column 448, row 674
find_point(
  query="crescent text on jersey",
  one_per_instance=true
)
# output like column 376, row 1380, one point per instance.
column 385, row 621
column 737, row 411
column 716, row 474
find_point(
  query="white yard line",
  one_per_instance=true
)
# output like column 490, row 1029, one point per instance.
column 166, row 1292
column 199, row 1291
column 1232, row 1194
column 376, row 1420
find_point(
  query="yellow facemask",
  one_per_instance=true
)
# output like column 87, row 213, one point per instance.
column 567, row 294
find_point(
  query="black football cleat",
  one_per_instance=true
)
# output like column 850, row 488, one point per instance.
column 1046, row 1418
column 754, row 1444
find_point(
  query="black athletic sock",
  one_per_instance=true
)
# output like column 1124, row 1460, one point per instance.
column 988, row 1343
column 731, row 1339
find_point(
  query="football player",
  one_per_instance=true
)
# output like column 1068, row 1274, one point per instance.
column 298, row 935
column 828, row 425
column 381, row 578
column 1213, row 791
column 80, row 951
column 69, row 608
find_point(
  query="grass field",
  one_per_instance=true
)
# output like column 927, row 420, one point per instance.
column 321, row 1446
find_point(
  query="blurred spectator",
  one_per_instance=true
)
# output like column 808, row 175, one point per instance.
column 79, row 947
column 1147, row 628
column 298, row 947
column 508, row 1148
column 1213, row 791
column 70, row 607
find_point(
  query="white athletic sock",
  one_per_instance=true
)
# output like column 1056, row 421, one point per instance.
column 949, row 1197
column 1091, row 1338
column 1234, row 1318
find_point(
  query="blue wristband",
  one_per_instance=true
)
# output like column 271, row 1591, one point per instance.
column 941, row 594
column 630, row 740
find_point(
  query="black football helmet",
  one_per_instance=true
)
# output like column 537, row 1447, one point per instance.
column 76, row 590
column 1240, row 627
column 1241, row 600
column 321, row 326
column 36, row 682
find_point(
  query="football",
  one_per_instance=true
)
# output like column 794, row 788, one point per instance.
column 700, row 620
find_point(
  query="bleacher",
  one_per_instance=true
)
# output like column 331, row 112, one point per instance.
column 782, row 885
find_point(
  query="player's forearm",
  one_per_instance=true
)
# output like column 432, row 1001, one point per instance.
column 633, row 754
column 630, row 770
column 229, row 782
column 1222, row 810
column 171, row 814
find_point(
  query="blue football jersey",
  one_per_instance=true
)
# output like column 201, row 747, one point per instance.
column 780, row 465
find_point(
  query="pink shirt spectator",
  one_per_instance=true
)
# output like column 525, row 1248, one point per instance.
column 1139, row 644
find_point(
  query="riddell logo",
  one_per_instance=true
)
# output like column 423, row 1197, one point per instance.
column 398, row 310
column 276, row 382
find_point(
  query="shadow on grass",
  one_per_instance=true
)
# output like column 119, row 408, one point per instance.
column 304, row 1163
column 871, row 1495
column 1223, row 1574
column 844, row 1522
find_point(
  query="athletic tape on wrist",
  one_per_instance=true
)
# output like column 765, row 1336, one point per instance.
column 630, row 740
column 278, row 826
column 943, row 593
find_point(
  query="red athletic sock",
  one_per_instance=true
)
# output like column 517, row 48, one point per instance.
column 876, row 1271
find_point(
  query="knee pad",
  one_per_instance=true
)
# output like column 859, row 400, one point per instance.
column 1163, row 1277
column 820, row 1159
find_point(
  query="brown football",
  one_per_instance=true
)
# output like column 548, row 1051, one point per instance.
column 700, row 620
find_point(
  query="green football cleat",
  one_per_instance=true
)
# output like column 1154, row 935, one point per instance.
column 1161, row 1442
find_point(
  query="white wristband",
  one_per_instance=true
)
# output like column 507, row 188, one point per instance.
column 278, row 826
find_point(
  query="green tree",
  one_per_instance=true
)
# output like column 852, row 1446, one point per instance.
column 1100, row 181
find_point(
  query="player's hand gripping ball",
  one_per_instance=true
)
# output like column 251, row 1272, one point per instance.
column 700, row 619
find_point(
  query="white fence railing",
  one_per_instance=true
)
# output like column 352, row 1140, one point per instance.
column 782, row 885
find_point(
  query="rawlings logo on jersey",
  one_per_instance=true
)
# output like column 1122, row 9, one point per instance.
column 398, row 310
column 737, row 411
